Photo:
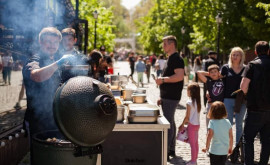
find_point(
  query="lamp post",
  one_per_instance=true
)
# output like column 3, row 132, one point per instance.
column 95, row 14
column 218, row 21
column 183, row 30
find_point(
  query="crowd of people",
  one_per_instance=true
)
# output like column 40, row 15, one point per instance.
column 234, row 91
column 224, row 102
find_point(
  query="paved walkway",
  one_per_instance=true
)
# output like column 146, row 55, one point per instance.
column 9, row 96
column 182, row 149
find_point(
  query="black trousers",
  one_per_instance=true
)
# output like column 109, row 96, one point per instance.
column 132, row 70
column 218, row 159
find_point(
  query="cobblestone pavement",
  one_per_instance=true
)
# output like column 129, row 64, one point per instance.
column 9, row 96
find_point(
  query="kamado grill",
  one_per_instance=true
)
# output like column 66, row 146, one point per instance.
column 85, row 112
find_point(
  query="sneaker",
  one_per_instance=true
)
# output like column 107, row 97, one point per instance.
column 191, row 163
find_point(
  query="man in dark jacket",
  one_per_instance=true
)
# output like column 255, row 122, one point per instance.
column 256, row 83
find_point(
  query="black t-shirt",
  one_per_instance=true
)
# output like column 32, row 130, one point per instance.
column 258, row 96
column 172, row 91
column 232, row 80
column 40, row 95
column 131, row 61
column 210, row 61
column 215, row 89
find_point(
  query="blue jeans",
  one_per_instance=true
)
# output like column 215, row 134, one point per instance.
column 168, row 108
column 239, row 117
column 257, row 122
column 159, row 72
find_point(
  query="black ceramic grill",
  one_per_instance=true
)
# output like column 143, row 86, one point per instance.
column 85, row 111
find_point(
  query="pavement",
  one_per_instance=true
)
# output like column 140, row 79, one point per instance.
column 9, row 96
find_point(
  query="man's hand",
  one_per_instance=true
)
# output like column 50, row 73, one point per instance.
column 65, row 59
column 159, row 81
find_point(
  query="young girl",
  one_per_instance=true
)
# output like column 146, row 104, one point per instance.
column 192, row 118
column 220, row 130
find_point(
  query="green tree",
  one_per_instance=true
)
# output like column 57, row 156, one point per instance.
column 266, row 7
column 105, row 35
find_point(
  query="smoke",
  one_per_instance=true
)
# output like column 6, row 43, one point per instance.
column 24, row 19
column 21, row 21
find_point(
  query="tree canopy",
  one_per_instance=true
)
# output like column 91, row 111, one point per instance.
column 243, row 23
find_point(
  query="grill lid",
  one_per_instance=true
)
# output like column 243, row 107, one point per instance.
column 85, row 111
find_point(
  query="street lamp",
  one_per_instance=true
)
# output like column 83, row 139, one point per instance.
column 218, row 21
column 183, row 30
column 95, row 14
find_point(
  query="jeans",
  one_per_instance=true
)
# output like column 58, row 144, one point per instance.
column 168, row 108
column 257, row 122
column 239, row 117
column 6, row 74
column 159, row 72
column 217, row 159
column 193, row 131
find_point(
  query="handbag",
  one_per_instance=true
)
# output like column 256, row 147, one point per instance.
column 183, row 135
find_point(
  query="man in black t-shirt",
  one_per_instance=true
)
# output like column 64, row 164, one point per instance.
column 256, row 83
column 41, row 78
column 131, row 60
column 171, row 85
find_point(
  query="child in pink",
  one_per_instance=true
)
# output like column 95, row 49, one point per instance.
column 192, row 118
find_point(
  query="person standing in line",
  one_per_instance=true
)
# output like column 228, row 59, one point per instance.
column 214, row 86
column 219, row 133
column 107, row 59
column 197, row 66
column 160, row 64
column 7, row 61
column 255, row 82
column 232, row 75
column 192, row 118
column 212, row 59
column 171, row 85
column 154, row 59
column 148, row 69
column 187, row 71
column 131, row 60
column 140, row 69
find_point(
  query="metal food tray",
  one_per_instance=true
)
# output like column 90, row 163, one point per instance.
column 143, row 110
column 142, row 119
